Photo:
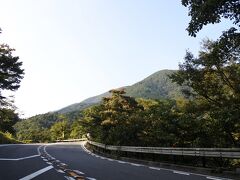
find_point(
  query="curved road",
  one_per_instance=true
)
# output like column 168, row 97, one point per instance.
column 72, row 161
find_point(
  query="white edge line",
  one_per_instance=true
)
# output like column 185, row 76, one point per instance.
column 155, row 168
column 37, row 173
column 214, row 178
column 29, row 157
column 196, row 174
column 3, row 145
column 122, row 162
column 181, row 172
column 134, row 164
column 18, row 159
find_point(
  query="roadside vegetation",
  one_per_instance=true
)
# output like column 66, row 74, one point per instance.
column 208, row 114
column 205, row 114
column 7, row 138
column 11, row 73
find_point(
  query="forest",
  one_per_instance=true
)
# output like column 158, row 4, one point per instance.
column 205, row 115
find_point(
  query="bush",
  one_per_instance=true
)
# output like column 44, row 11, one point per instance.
column 7, row 138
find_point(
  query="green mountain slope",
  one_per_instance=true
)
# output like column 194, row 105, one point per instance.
column 156, row 86
column 84, row 104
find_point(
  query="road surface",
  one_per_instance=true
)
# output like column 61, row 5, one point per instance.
column 73, row 161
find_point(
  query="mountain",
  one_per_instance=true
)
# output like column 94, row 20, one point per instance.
column 84, row 104
column 155, row 86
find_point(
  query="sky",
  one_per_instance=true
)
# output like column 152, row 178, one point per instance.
column 75, row 49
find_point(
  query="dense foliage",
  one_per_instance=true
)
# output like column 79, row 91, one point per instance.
column 155, row 86
column 49, row 127
column 203, row 12
column 122, row 120
column 215, row 77
column 200, row 108
column 11, row 73
column 7, row 138
column 210, row 118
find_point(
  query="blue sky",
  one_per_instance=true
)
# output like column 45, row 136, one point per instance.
column 75, row 49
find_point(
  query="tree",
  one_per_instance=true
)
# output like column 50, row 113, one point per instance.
column 204, row 12
column 11, row 72
column 7, row 119
column 60, row 130
column 77, row 130
column 215, row 74
column 160, row 123
column 117, row 120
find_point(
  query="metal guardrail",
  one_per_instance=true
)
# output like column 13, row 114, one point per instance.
column 201, row 152
column 72, row 140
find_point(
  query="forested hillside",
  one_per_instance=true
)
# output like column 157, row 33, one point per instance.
column 40, row 128
column 156, row 86
column 158, row 111
column 84, row 104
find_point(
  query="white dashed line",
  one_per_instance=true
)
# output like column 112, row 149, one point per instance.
column 181, row 172
column 78, row 172
column 59, row 170
column 49, row 163
column 69, row 178
column 91, row 178
column 63, row 164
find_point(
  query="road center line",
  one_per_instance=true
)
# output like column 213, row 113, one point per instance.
column 18, row 159
column 37, row 173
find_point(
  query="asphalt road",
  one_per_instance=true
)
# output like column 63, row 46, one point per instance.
column 73, row 161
